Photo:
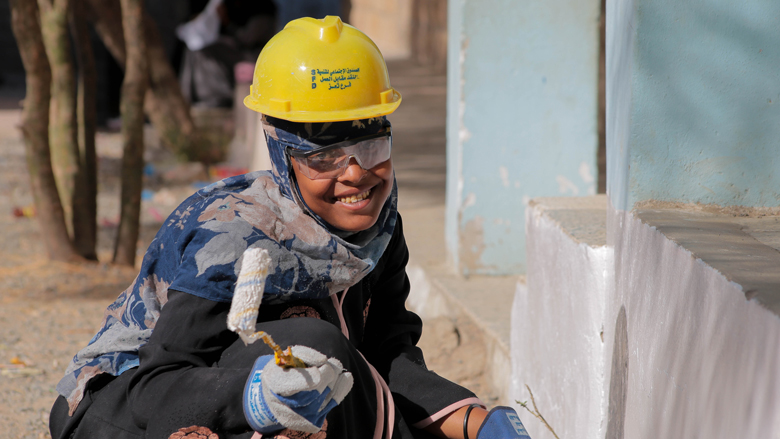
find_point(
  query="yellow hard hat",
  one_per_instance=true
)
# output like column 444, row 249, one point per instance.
column 321, row 71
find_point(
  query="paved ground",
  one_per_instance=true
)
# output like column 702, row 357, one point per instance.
column 48, row 310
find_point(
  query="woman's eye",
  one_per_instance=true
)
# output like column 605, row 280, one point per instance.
column 318, row 163
column 327, row 155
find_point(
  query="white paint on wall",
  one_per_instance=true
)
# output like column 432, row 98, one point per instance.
column 471, row 199
column 585, row 173
column 503, row 172
column 557, row 320
column 565, row 185
column 703, row 360
column 463, row 133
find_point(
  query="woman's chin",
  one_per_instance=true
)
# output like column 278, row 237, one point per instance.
column 356, row 223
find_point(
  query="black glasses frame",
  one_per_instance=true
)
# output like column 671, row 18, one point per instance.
column 298, row 153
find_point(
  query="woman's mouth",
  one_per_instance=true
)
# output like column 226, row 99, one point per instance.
column 355, row 198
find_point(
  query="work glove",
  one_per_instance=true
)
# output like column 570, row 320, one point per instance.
column 296, row 398
column 502, row 423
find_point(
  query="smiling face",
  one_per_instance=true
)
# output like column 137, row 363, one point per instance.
column 351, row 202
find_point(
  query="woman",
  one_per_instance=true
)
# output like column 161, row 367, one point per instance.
column 165, row 363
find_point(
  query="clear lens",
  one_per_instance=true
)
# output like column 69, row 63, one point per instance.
column 332, row 163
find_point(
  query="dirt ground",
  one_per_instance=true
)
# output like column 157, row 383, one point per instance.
column 49, row 310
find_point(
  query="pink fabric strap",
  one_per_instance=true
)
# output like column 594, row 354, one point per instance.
column 382, row 390
column 338, row 304
column 447, row 410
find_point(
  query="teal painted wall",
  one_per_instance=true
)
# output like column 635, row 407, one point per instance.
column 521, row 120
column 693, row 101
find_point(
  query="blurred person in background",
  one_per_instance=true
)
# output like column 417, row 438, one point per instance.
column 225, row 33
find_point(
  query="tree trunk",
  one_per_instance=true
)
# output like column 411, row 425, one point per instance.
column 35, row 129
column 63, row 135
column 164, row 103
column 86, row 228
column 132, row 109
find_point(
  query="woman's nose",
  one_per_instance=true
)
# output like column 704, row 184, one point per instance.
column 354, row 171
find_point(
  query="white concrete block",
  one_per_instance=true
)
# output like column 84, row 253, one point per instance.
column 557, row 321
column 702, row 360
column 637, row 339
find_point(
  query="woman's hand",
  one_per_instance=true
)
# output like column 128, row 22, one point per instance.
column 297, row 398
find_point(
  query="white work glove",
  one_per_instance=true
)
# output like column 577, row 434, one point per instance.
column 295, row 398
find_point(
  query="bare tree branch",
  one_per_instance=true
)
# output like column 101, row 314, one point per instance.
column 535, row 411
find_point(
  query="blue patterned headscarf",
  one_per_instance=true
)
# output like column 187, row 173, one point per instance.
column 200, row 247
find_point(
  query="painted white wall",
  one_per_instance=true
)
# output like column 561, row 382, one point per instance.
column 691, row 94
column 556, row 344
column 703, row 361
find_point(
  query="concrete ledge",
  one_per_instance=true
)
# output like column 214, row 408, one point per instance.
column 744, row 245
column 584, row 219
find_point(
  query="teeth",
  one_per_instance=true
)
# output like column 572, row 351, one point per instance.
column 355, row 198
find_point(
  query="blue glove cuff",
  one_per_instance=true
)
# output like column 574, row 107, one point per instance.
column 256, row 411
column 502, row 423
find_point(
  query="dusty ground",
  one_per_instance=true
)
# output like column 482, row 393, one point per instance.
column 49, row 310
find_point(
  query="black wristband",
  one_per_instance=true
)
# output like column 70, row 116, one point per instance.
column 466, row 420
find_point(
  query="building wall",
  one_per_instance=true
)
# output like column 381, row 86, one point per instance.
column 522, row 120
column 695, row 102
column 686, row 351
column 388, row 23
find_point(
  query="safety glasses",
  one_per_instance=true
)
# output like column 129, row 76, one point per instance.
column 332, row 161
